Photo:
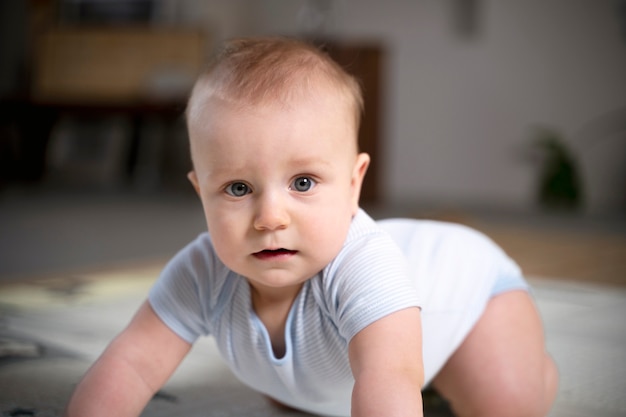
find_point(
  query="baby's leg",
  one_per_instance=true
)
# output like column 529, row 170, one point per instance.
column 502, row 368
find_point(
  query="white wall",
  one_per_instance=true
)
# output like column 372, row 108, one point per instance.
column 458, row 110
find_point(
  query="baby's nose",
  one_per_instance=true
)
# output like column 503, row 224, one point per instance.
column 271, row 213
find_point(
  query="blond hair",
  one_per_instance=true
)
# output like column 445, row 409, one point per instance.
column 257, row 71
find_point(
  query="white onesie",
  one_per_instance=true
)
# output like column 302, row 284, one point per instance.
column 447, row 270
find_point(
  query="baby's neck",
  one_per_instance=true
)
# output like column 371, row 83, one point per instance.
column 272, row 308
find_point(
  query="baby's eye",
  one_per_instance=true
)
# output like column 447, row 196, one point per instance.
column 237, row 189
column 302, row 184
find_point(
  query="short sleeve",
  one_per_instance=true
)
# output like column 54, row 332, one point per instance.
column 368, row 281
column 180, row 295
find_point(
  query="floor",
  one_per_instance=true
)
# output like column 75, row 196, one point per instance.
column 73, row 268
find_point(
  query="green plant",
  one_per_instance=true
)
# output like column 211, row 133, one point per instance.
column 560, row 185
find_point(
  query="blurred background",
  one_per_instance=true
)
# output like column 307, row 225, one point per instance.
column 509, row 111
column 505, row 115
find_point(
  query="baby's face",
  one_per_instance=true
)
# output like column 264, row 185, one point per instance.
column 279, row 187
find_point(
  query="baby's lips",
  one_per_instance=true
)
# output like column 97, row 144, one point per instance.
column 274, row 253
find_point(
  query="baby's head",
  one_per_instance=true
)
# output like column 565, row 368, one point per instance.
column 273, row 128
column 257, row 72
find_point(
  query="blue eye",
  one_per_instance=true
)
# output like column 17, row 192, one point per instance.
column 302, row 184
column 237, row 189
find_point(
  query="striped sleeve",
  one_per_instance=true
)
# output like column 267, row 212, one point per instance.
column 367, row 282
column 179, row 297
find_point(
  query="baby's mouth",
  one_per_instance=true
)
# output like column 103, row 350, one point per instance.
column 274, row 253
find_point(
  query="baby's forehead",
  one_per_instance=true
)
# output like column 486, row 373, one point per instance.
column 286, row 93
column 320, row 103
column 221, row 121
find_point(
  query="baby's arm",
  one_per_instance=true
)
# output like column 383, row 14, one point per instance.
column 386, row 361
column 131, row 369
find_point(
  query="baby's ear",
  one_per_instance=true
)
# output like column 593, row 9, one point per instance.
column 193, row 178
column 360, row 168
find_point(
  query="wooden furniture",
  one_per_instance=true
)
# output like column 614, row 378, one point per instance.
column 100, row 65
column 140, row 73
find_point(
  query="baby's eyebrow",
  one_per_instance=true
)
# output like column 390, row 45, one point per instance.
column 310, row 163
column 223, row 173
column 226, row 172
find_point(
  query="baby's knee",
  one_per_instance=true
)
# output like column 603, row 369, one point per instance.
column 518, row 403
column 513, row 396
column 505, row 403
column 524, row 398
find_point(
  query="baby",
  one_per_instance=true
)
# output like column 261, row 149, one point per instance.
column 310, row 301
